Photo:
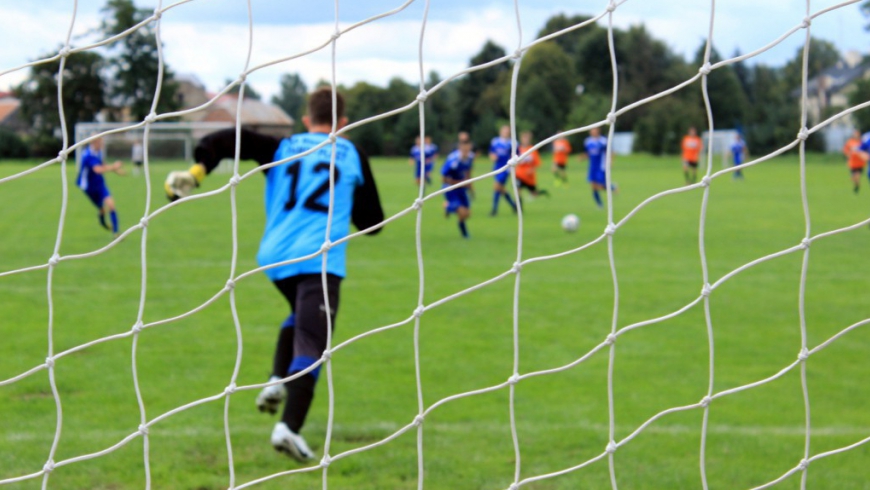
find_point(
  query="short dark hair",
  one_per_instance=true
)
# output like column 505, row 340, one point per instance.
column 320, row 105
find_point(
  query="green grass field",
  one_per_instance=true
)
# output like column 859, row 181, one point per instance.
column 566, row 307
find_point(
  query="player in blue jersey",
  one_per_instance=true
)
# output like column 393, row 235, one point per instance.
column 738, row 154
column 500, row 154
column 90, row 180
column 416, row 161
column 457, row 169
column 595, row 147
column 297, row 197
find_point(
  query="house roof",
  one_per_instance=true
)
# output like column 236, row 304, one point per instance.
column 254, row 112
column 835, row 78
column 8, row 106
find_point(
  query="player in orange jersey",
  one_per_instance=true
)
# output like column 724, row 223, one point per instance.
column 855, row 158
column 691, row 151
column 561, row 150
column 527, row 168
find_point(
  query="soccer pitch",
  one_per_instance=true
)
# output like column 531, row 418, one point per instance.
column 565, row 310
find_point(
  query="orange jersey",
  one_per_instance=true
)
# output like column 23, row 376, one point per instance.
column 850, row 149
column 561, row 150
column 526, row 169
column 691, row 148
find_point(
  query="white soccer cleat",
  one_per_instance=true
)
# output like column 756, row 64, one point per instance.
column 292, row 444
column 179, row 184
column 270, row 397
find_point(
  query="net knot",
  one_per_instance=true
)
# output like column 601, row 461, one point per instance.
column 49, row 362
column 137, row 327
column 611, row 447
column 517, row 267
column 418, row 420
column 514, row 379
column 804, row 464
column 143, row 429
column 235, row 180
column 48, row 467
column 422, row 96
column 610, row 339
column 804, row 354
column 144, row 222
column 803, row 134
column 326, row 246
column 332, row 138
column 805, row 243
column 230, row 389
column 54, row 260
column 418, row 204
column 335, row 36
column 517, row 54
column 231, row 284
column 157, row 14
column 611, row 7
column 418, row 312
column 610, row 229
column 705, row 69
column 806, row 22
column 324, row 463
column 705, row 402
column 706, row 290
column 64, row 52
column 513, row 162
column 62, row 155
column 327, row 355
column 611, row 118
column 513, row 486
column 150, row 118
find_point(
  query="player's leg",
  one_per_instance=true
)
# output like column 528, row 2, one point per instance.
column 686, row 172
column 308, row 346
column 463, row 213
column 109, row 207
column 856, row 179
column 504, row 192
column 271, row 397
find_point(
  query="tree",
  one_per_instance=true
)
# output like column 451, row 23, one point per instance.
column 82, row 98
column 133, row 65
column 292, row 96
column 860, row 95
column 545, row 88
column 823, row 55
column 473, row 85
column 728, row 102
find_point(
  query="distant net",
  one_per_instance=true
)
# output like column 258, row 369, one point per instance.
column 607, row 347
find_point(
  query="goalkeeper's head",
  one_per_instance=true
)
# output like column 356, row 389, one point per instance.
column 319, row 117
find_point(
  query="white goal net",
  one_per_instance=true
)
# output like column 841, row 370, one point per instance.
column 150, row 422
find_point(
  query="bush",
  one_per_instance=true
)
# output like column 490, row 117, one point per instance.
column 11, row 145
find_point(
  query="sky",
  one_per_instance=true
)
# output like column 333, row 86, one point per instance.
column 209, row 38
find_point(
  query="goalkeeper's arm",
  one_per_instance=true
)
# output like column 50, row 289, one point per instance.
column 215, row 147
column 367, row 210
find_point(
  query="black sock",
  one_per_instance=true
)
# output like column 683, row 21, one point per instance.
column 283, row 352
column 300, row 394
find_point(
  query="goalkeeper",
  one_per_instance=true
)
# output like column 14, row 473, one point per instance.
column 297, row 197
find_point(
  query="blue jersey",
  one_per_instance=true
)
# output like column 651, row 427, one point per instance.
column 501, row 147
column 865, row 142
column 429, row 152
column 596, row 149
column 297, row 202
column 737, row 149
column 88, row 180
column 415, row 154
column 455, row 167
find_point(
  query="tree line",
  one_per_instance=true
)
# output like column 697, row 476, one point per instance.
column 563, row 83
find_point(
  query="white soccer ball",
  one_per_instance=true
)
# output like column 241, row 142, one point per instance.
column 570, row 222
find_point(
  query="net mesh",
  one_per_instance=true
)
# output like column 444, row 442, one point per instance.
column 607, row 346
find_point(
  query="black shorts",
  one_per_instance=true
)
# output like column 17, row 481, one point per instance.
column 530, row 187
column 561, row 165
column 305, row 295
column 691, row 164
column 137, row 163
column 856, row 171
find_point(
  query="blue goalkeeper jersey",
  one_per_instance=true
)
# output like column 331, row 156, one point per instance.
column 596, row 148
column 501, row 147
column 297, row 202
